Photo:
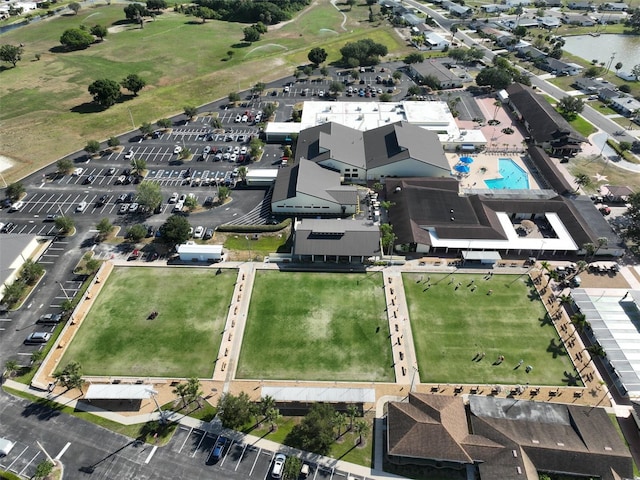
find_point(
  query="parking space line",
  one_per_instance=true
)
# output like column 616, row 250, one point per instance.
column 185, row 440
column 151, row 453
column 195, row 450
column 240, row 458
column 268, row 472
column 30, row 462
column 255, row 461
column 64, row 449
column 18, row 457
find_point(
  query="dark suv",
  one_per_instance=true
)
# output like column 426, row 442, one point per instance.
column 50, row 318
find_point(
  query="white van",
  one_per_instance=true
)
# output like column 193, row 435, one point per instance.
column 5, row 447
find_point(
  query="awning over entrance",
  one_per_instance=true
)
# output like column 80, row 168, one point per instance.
column 484, row 257
column 118, row 392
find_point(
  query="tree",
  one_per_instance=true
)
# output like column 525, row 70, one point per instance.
column 194, row 392
column 324, row 71
column 352, row 413
column 66, row 306
column 137, row 232
column 336, row 87
column 149, row 195
column 414, row 90
column 570, row 106
column 185, row 153
column 74, row 7
column 317, row 55
column 182, row 391
column 191, row 202
column 339, row 421
column 292, row 468
column 135, row 11
column 494, row 77
column 242, row 173
column 633, row 20
column 164, row 123
column 146, row 129
column 414, row 57
column 258, row 88
column 105, row 92
column 190, row 111
column 92, row 147
column 388, row 237
column 315, row 432
column 579, row 320
column 362, row 52
column 234, row 97
column 104, row 228
column 397, row 75
column 251, row 34
column 175, row 230
column 15, row 190
column 520, row 31
column 235, row 411
column 271, row 416
column 385, row 97
column 156, row 5
column 255, row 145
column 64, row 224
column 362, row 428
column 583, row 180
column 113, row 142
column 11, row 54
column 618, row 66
column 37, row 356
column 99, row 31
column 223, row 193
column 76, row 39
column 351, row 3
column 64, row 165
column 70, row 376
column 307, row 70
column 13, row 292
column 596, row 350
column 45, row 467
column 31, row 272
column 10, row 368
column 133, row 83
column 635, row 71
column 205, row 13
column 92, row 266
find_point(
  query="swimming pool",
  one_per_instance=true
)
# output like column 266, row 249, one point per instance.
column 513, row 176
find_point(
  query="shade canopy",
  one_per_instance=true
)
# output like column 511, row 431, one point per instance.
column 466, row 159
column 461, row 168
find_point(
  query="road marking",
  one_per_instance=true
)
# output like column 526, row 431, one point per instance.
column 185, row 440
column 5, row 320
column 11, row 465
column 64, row 449
column 254, row 463
column 30, row 461
column 240, row 458
column 151, row 453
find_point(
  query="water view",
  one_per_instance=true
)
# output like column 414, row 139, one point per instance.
column 625, row 47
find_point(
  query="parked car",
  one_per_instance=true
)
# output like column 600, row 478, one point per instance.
column 50, row 318
column 198, row 232
column 101, row 201
column 218, row 450
column 151, row 231
column 82, row 206
column 128, row 155
column 182, row 198
column 206, row 150
column 133, row 208
column 120, row 180
column 111, row 171
column 9, row 227
column 278, row 466
column 173, row 198
column 77, row 172
column 178, row 207
column 51, row 217
column 124, row 208
column 208, row 234
column 121, row 198
column 16, row 206
column 38, row 337
column 208, row 201
column 177, row 149
column 89, row 180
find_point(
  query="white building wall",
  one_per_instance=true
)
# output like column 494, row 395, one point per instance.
column 308, row 205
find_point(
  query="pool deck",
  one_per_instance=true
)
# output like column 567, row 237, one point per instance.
column 485, row 167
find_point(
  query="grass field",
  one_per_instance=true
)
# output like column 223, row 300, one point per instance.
column 116, row 338
column 46, row 111
column 615, row 175
column 451, row 326
column 316, row 326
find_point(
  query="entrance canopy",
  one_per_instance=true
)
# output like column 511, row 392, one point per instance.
column 484, row 257
column 119, row 392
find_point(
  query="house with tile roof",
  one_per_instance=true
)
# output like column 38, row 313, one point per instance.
column 505, row 438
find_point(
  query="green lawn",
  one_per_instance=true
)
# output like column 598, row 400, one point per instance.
column 615, row 175
column 451, row 326
column 116, row 338
column 582, row 126
column 316, row 326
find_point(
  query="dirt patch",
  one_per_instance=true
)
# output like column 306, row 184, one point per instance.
column 608, row 280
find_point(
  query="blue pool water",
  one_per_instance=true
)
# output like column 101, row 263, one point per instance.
column 513, row 177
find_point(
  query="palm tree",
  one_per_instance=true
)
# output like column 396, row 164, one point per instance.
column 362, row 428
column 271, row 415
column 497, row 104
column 37, row 356
column 267, row 403
column 182, row 390
column 565, row 299
column 352, row 413
column 242, row 173
column 194, row 392
column 10, row 368
column 596, row 350
column 579, row 320
column 339, row 421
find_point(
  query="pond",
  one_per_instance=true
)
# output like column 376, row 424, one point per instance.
column 624, row 48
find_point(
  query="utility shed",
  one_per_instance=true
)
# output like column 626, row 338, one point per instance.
column 193, row 252
column 263, row 177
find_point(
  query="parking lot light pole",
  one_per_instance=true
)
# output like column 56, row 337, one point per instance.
column 153, row 394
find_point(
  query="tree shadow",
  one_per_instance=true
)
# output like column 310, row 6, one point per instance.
column 87, row 107
column 241, row 45
column 42, row 410
column 571, row 379
column 546, row 320
column 347, row 452
column 556, row 350
column 4, row 68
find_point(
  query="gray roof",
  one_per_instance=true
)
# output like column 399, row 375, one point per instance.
column 337, row 237
column 372, row 148
column 311, row 179
column 402, row 140
column 507, row 438
column 595, row 223
column 12, row 246
column 436, row 69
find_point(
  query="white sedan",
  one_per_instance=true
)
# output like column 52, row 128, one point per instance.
column 177, row 149
column 199, row 232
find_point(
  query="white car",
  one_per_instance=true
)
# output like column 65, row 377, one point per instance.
column 233, row 157
column 77, row 172
column 206, row 150
column 178, row 207
column 278, row 466
column 128, row 155
column 173, row 198
column 16, row 206
column 182, row 198
column 177, row 149
column 245, row 118
column 198, row 232
column 238, row 118
column 236, row 150
column 243, row 151
column 81, row 207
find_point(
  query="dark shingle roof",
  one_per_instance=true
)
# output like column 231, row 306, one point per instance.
column 337, row 237
column 545, row 124
column 550, row 171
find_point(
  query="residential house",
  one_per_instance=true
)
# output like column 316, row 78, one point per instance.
column 412, row 19
column 610, row 18
column 335, row 240
column 521, row 22
column 518, row 3
column 614, row 7
column 495, row 8
column 307, row 188
column 501, row 37
column 551, row 3
column 530, row 52
column 546, row 127
column 549, row 22
column 396, row 149
column 489, row 437
column 606, row 94
column 581, row 6
column 592, row 85
column 459, row 10
column 616, row 193
column 582, row 19
column 629, row 77
column 560, row 68
column 434, row 68
column 433, row 41
column 626, row 105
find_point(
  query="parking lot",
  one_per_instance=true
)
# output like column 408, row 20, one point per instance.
column 22, row 460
